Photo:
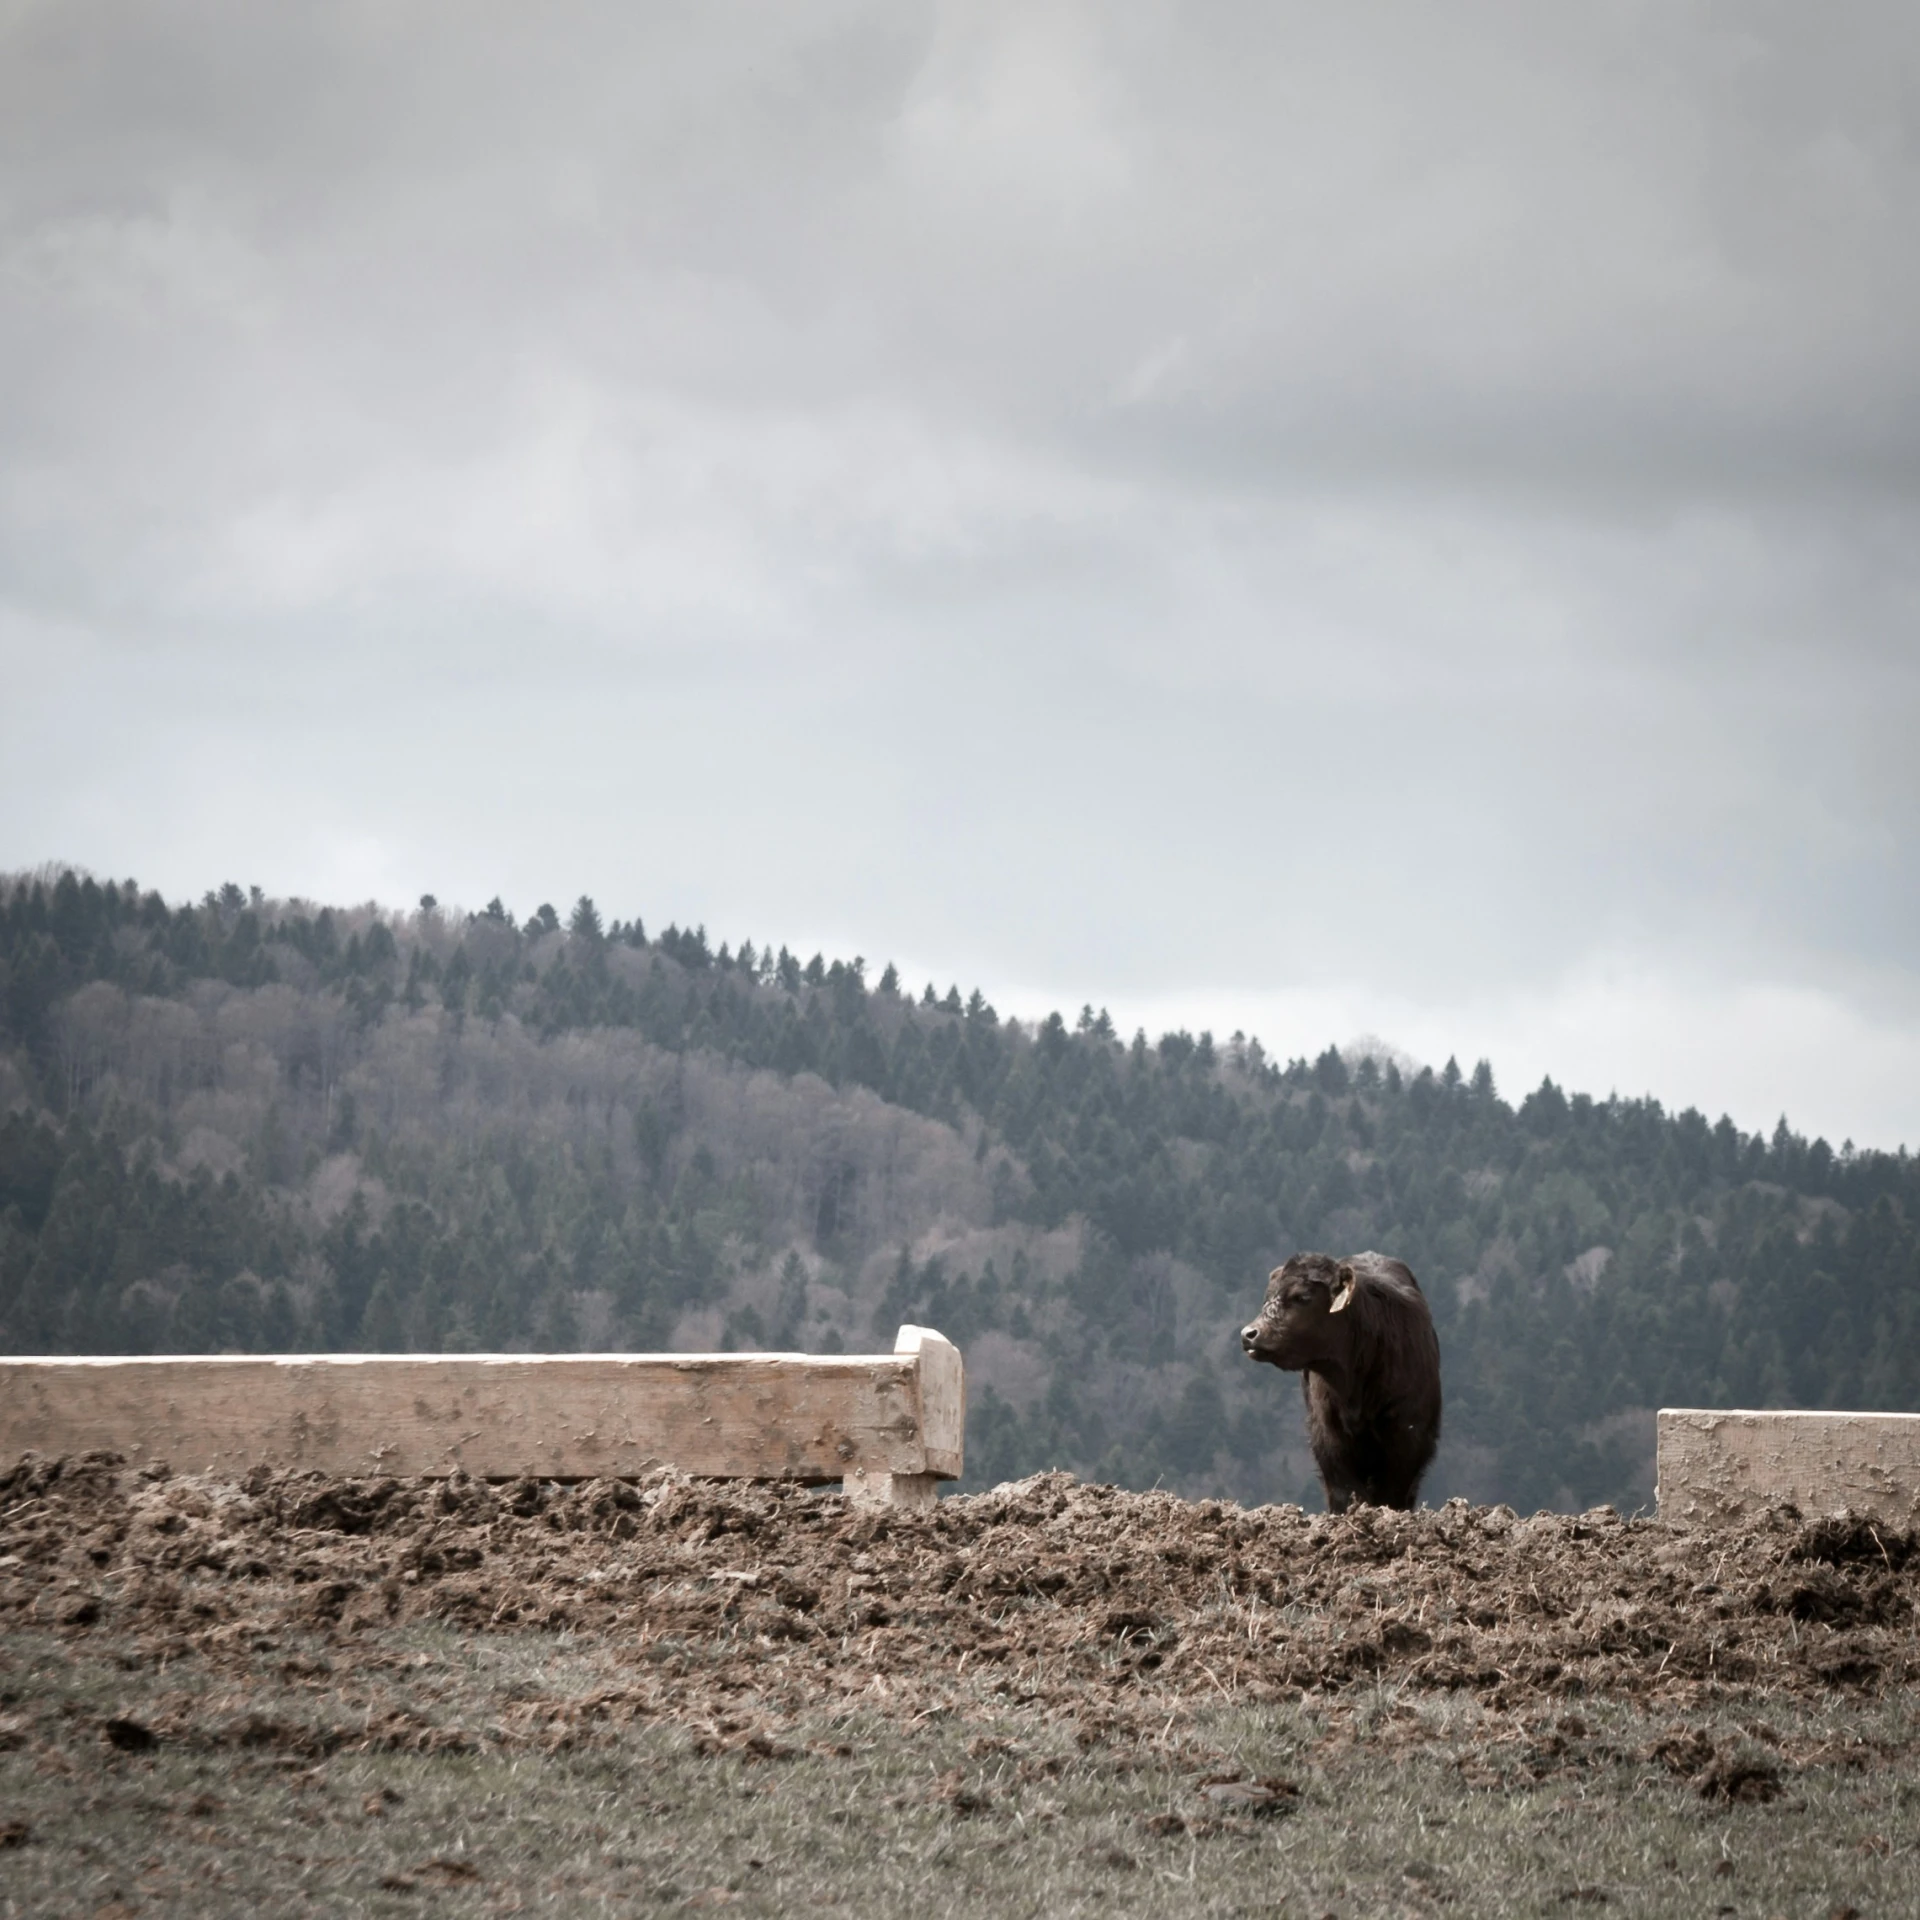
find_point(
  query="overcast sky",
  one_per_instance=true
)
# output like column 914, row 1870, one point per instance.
column 1309, row 519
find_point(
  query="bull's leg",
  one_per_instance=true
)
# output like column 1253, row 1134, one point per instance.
column 1382, row 1479
column 1393, row 1476
column 1341, row 1491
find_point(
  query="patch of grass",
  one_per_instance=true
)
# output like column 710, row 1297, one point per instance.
column 420, row 1772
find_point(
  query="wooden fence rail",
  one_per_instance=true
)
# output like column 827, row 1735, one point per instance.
column 889, row 1426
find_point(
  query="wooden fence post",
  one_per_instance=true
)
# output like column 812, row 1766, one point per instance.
column 943, row 1415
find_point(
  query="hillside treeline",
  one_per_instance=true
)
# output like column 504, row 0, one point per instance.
column 256, row 1125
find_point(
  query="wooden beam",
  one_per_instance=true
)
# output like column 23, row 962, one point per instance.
column 1721, row 1466
column 763, row 1416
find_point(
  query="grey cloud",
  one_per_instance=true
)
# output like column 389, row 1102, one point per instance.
column 1135, row 498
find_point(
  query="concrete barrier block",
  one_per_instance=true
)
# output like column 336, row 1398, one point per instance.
column 1720, row 1466
column 789, row 1416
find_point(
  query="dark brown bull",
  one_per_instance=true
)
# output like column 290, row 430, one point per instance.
column 1359, row 1333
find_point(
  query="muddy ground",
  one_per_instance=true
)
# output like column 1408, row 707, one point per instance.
column 1045, row 1632
column 737, row 1607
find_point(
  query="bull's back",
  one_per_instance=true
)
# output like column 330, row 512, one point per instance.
column 1394, row 1276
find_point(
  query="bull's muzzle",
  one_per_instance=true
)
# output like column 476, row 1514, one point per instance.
column 1249, row 1335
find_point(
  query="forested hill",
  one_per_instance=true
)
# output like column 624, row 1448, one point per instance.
column 244, row 1124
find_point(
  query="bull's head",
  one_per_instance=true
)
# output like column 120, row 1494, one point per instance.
column 1295, row 1328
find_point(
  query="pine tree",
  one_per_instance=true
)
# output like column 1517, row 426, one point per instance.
column 790, row 1313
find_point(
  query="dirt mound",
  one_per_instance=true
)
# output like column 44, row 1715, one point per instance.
column 737, row 1606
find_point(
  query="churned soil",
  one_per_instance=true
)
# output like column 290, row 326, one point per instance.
column 294, row 1693
column 733, row 1609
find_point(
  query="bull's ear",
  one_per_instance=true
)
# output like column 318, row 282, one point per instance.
column 1343, row 1292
